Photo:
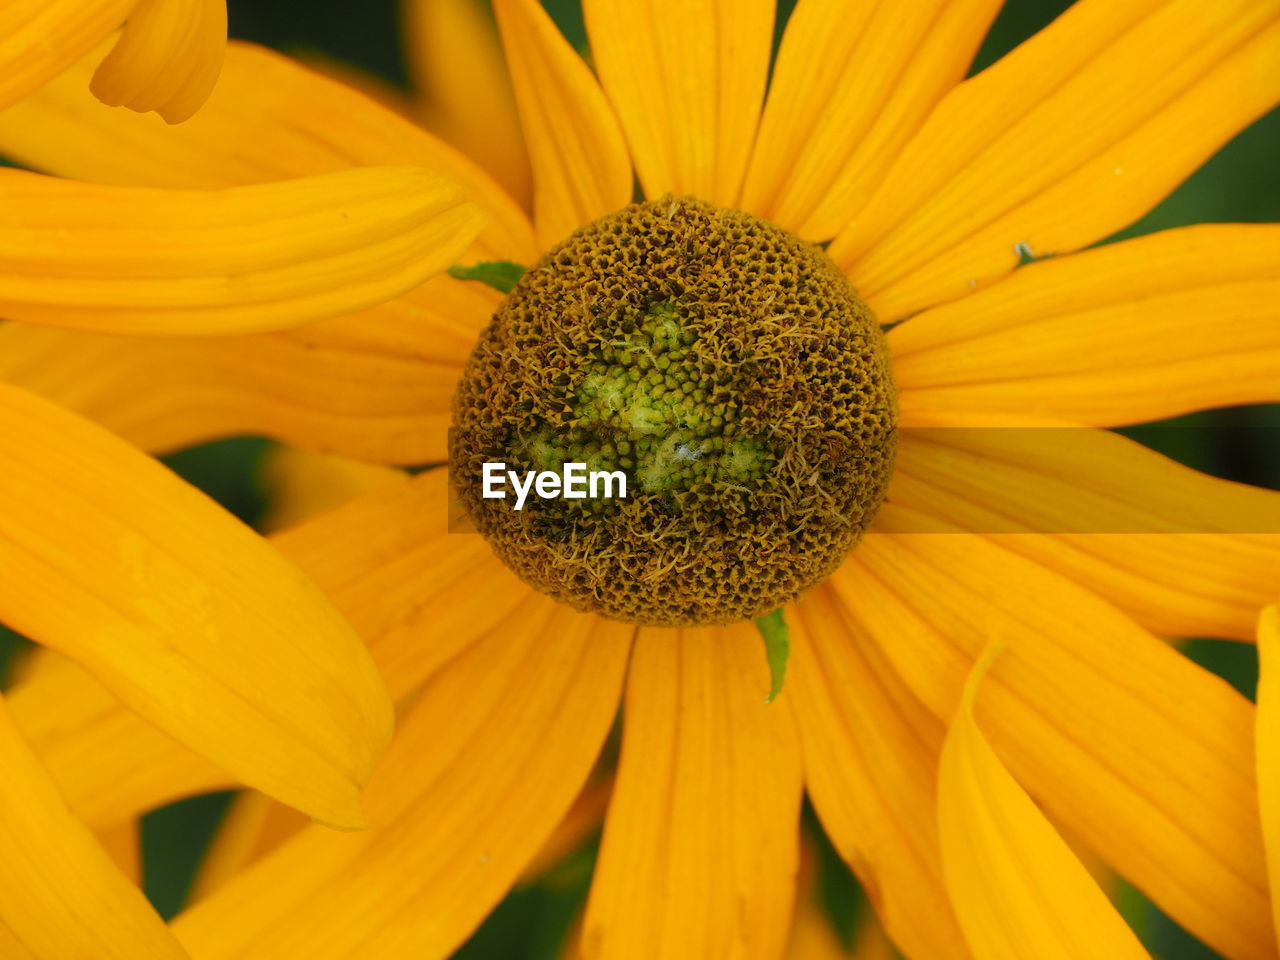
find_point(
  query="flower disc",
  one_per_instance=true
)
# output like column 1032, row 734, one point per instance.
column 727, row 369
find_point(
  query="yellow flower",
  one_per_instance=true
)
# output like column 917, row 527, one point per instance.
column 166, row 59
column 930, row 189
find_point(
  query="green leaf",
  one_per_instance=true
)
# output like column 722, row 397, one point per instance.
column 777, row 647
column 502, row 275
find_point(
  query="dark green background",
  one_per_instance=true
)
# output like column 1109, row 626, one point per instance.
column 1240, row 183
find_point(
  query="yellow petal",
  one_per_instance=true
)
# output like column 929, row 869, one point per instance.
column 1165, row 324
column 1141, row 754
column 581, row 170
column 61, row 897
column 301, row 485
column 1075, row 134
column 375, row 385
column 687, row 80
column 269, row 119
column 870, row 755
column 701, row 842
column 455, row 59
column 252, row 827
column 167, row 59
column 243, row 259
column 1018, row 889
column 417, row 594
column 183, row 613
column 39, row 39
column 813, row 935
column 484, row 765
column 582, row 820
column 1267, row 733
column 110, row 764
column 814, row 938
column 853, row 82
column 123, row 844
column 1183, row 553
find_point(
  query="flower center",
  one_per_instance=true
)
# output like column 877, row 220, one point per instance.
column 726, row 370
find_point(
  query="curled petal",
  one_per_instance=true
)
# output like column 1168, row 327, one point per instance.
column 1017, row 888
column 1139, row 753
column 167, row 60
column 269, row 118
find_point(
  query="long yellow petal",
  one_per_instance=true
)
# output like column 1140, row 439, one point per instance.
column 1018, row 889
column 183, row 613
column 110, row 764
column 1141, row 754
column 1075, row 134
column 61, row 897
column 374, row 385
column 852, row 84
column 581, row 170
column 484, row 765
column 417, row 595
column 1183, row 553
column 268, row 119
column 39, row 39
column 244, row 259
column 1168, row 323
column 1267, row 733
column 701, row 842
column 687, row 79
column 464, row 88
column 167, row 60
column 870, row 756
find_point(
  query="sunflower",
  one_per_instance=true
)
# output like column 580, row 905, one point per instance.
column 919, row 743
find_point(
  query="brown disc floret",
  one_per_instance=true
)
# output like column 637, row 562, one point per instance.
column 727, row 369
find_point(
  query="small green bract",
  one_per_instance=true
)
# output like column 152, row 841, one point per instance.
column 777, row 650
column 502, row 275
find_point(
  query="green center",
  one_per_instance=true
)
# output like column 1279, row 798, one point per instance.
column 646, row 408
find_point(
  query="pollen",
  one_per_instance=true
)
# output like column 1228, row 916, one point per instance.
column 727, row 368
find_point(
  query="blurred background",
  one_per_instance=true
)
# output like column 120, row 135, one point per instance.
column 1242, row 183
